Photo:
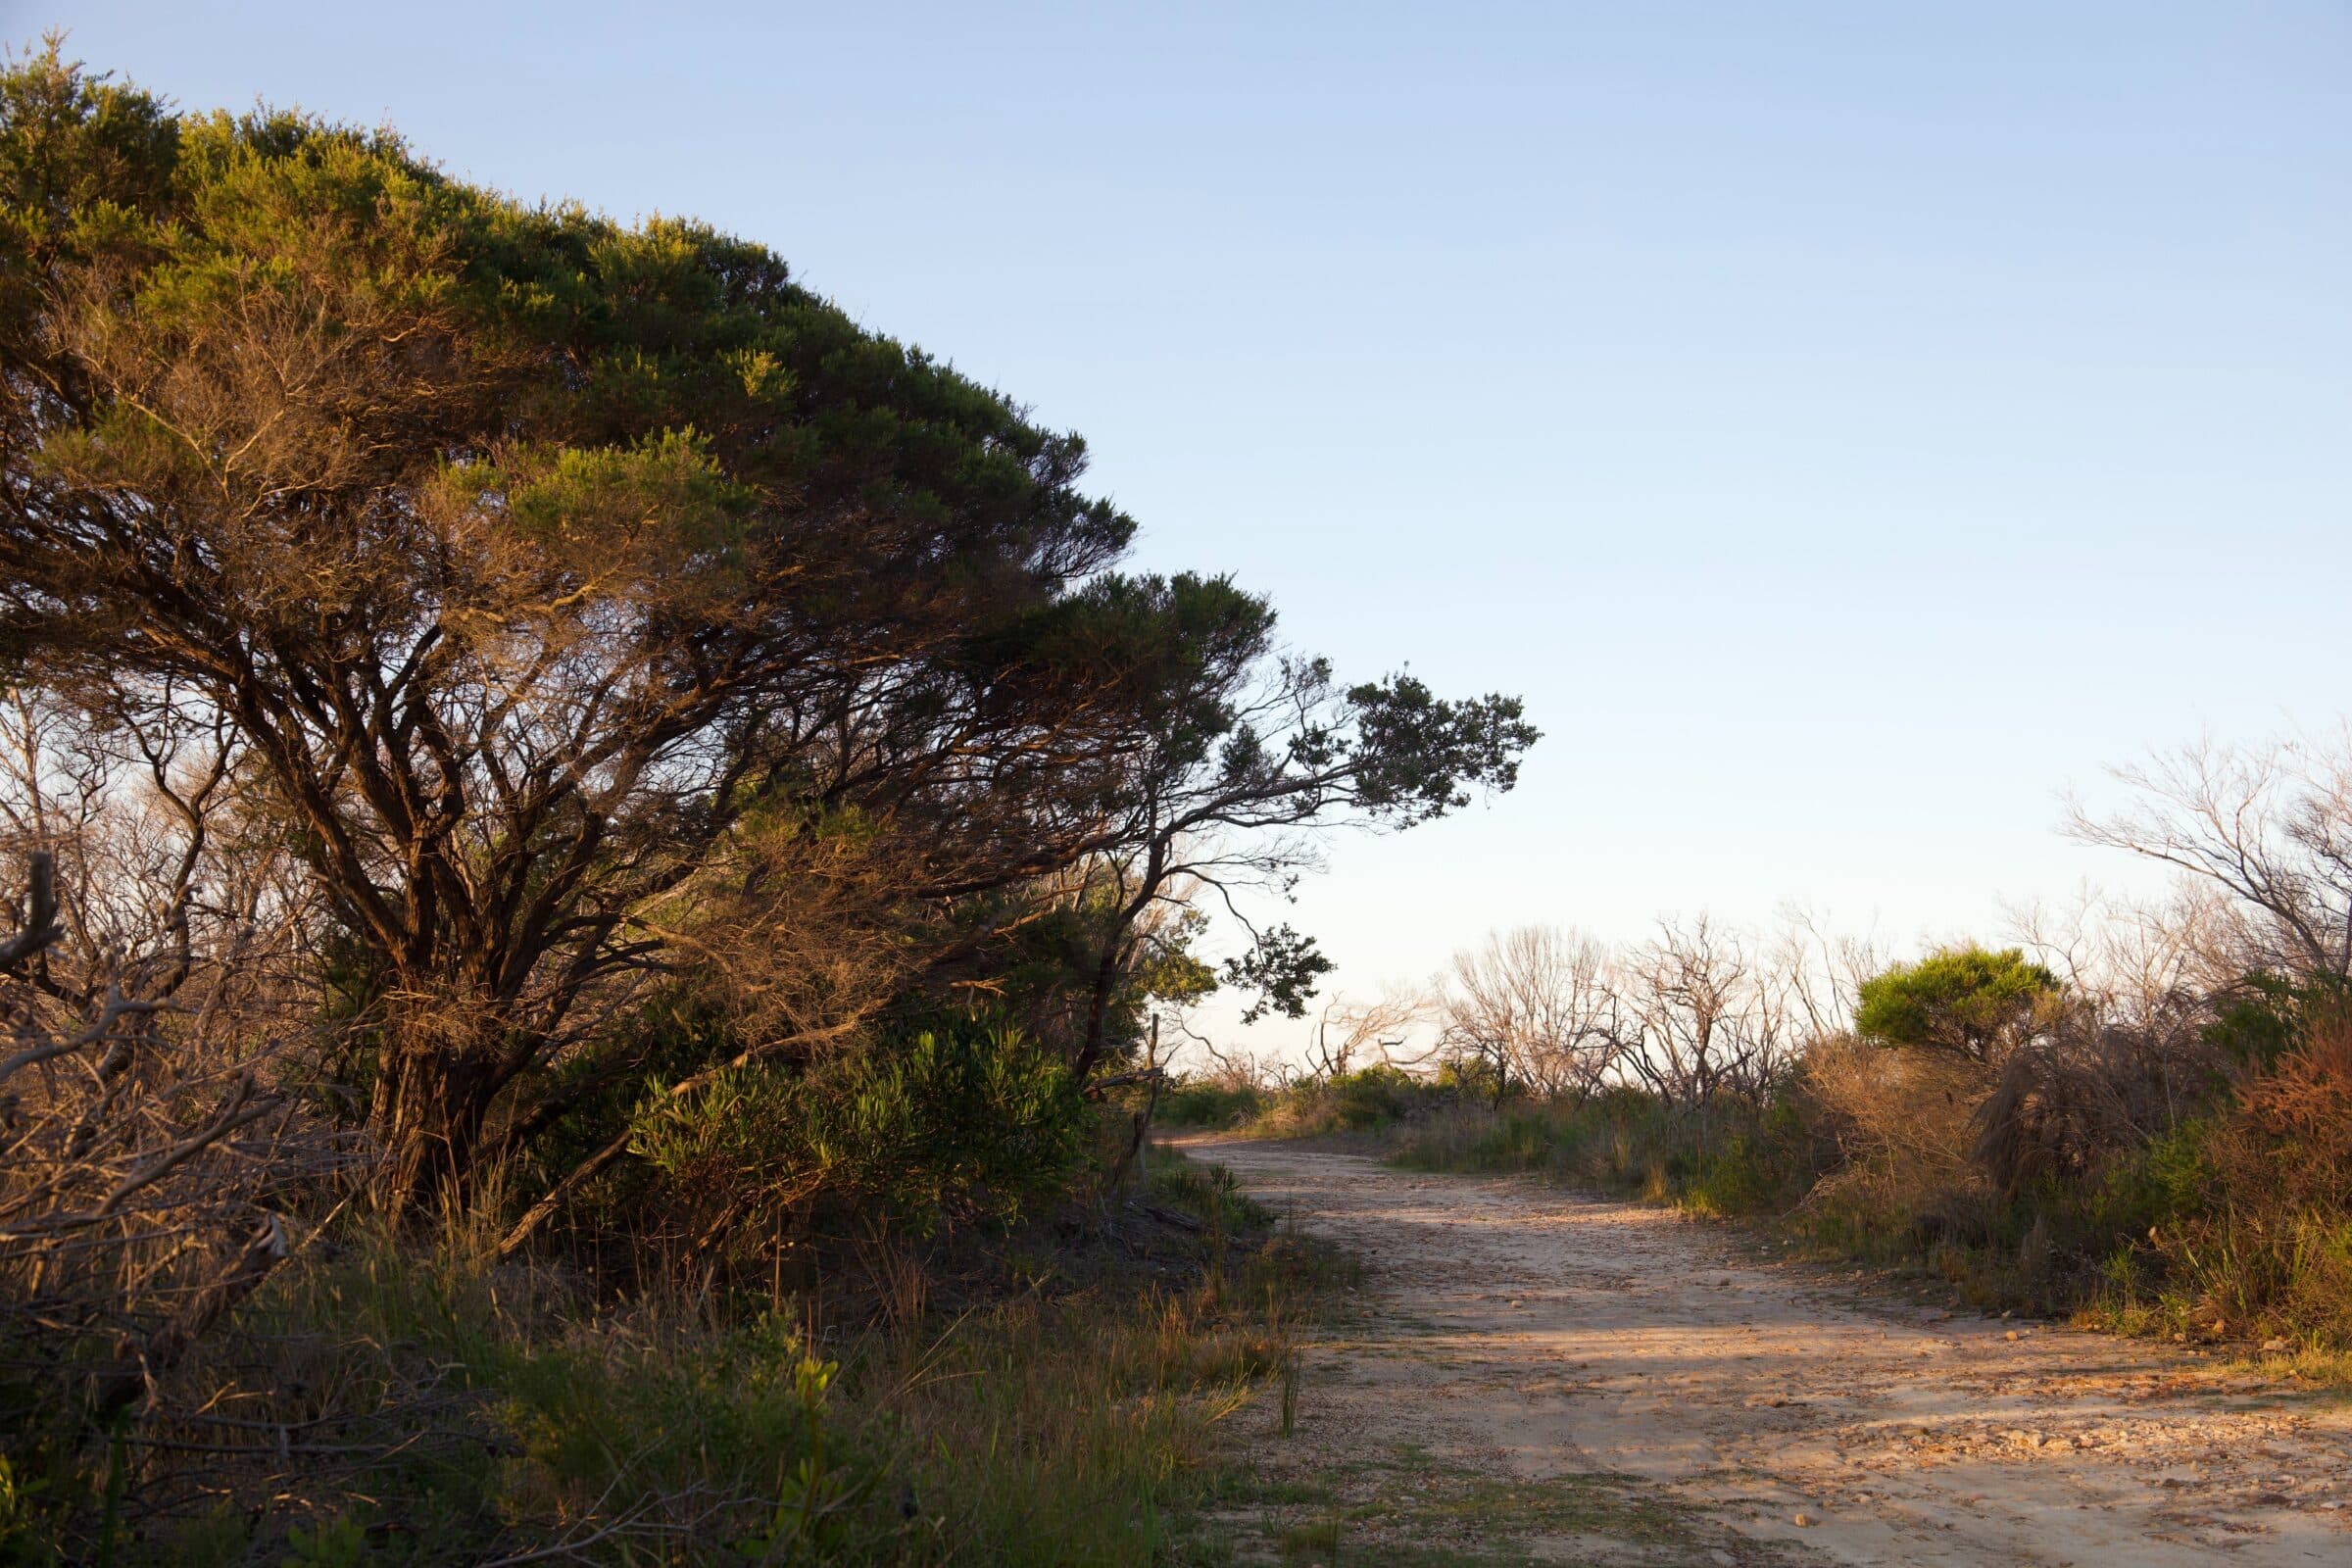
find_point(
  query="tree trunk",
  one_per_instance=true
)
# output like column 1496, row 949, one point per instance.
column 432, row 1096
column 1097, row 1014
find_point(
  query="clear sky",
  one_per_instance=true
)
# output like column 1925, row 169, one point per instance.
column 1848, row 425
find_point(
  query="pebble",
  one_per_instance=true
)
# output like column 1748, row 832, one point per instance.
column 1804, row 1520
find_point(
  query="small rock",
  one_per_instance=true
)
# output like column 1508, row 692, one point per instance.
column 2273, row 1347
column 2011, row 1336
column 1934, row 1314
column 1805, row 1521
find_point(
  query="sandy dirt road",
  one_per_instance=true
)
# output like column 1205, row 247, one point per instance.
column 1538, row 1377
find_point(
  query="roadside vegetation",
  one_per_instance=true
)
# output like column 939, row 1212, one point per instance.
column 2139, row 1115
column 599, row 855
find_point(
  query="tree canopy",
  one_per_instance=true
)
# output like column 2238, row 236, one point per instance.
column 591, row 602
column 1965, row 1001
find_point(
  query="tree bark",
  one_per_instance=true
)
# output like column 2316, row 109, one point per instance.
column 432, row 1097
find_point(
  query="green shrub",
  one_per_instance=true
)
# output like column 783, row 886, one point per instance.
column 1374, row 1097
column 1965, row 1001
column 1208, row 1103
column 965, row 1118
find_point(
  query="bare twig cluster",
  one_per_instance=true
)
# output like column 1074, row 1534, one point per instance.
column 152, row 1148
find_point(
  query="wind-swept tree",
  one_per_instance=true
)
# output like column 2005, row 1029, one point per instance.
column 528, row 556
column 565, row 584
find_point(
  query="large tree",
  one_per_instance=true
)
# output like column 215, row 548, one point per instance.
column 566, row 582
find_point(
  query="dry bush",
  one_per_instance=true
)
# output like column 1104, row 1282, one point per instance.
column 2263, row 1245
column 1539, row 1008
column 2305, row 1101
column 1707, row 1018
column 2090, row 1091
column 2270, row 828
column 145, row 1155
column 1901, row 1120
column 156, row 1141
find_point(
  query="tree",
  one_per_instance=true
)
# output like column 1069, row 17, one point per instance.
column 1243, row 757
column 150, row 998
column 1536, row 1006
column 1707, row 1020
column 1963, row 1001
column 528, row 556
column 565, row 584
column 1348, row 1029
column 2271, row 827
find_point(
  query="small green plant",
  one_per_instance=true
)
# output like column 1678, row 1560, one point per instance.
column 822, row 1492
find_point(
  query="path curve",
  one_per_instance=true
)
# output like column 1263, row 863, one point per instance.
column 1516, row 1331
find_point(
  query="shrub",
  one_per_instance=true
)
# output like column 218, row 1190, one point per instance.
column 1899, row 1117
column 965, row 1118
column 1374, row 1097
column 1965, row 1001
column 1208, row 1103
column 2251, row 1234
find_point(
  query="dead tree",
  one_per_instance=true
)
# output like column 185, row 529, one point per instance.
column 1536, row 1006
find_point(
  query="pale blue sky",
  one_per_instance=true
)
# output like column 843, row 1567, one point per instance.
column 1847, row 425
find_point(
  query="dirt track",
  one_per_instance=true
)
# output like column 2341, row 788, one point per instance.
column 1535, row 1376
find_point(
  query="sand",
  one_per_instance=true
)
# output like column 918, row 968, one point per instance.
column 1529, row 1375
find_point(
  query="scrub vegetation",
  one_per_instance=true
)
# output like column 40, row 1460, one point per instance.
column 600, row 854
column 2139, row 1115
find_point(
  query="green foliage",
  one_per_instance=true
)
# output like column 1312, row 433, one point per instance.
column 340, row 1542
column 965, row 1118
column 1761, row 1159
column 585, row 599
column 1368, row 1099
column 2267, row 1014
column 1210, row 1194
column 1280, row 971
column 1208, row 1103
column 1061, row 1423
column 2157, row 1186
column 24, row 1526
column 1423, row 750
column 601, row 548
column 1966, row 1000
column 1377, row 1095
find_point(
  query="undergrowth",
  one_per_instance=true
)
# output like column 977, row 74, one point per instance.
column 400, row 1401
